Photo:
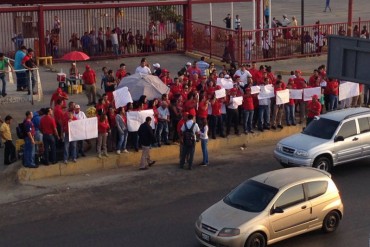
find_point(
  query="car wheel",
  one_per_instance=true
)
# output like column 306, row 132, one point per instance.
column 331, row 222
column 284, row 165
column 256, row 240
column 322, row 163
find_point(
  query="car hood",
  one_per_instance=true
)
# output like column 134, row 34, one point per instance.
column 221, row 215
column 302, row 141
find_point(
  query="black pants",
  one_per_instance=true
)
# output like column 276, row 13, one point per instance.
column 232, row 117
column 9, row 153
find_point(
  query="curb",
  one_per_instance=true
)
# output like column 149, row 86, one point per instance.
column 92, row 163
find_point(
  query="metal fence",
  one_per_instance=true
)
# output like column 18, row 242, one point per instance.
column 282, row 43
column 141, row 28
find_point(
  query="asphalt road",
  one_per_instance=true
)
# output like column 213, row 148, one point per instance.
column 159, row 207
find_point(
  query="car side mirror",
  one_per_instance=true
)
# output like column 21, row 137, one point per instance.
column 277, row 210
column 338, row 139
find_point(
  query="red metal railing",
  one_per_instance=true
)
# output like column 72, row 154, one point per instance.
column 284, row 43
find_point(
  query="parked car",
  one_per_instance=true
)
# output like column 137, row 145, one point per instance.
column 331, row 139
column 272, row 207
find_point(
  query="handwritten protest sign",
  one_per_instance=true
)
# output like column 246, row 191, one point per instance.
column 122, row 96
column 282, row 97
column 220, row 93
column 136, row 118
column 309, row 92
column 225, row 83
column 348, row 89
column 83, row 129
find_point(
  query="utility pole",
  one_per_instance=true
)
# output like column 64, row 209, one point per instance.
column 349, row 24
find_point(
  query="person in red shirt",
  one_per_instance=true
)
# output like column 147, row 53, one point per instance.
column 290, row 107
column 59, row 116
column 194, row 70
column 48, row 128
column 248, row 111
column 58, row 94
column 313, row 108
column 69, row 145
column 202, row 109
column 258, row 78
column 216, row 122
column 300, row 83
column 165, row 77
column 89, row 78
column 190, row 104
column 331, row 91
column 176, row 87
column 103, row 129
column 315, row 79
column 121, row 72
column 253, row 70
column 112, row 135
column 29, row 64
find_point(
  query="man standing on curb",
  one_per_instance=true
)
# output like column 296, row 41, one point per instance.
column 29, row 142
column 6, row 135
column 146, row 138
column 49, row 131
column 189, row 131
column 89, row 78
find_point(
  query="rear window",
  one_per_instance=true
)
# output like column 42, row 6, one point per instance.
column 316, row 189
column 364, row 124
column 321, row 128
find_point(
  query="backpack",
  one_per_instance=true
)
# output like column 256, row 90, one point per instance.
column 21, row 132
column 188, row 136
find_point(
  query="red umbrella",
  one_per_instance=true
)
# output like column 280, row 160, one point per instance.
column 75, row 56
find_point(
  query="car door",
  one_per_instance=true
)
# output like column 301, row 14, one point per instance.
column 296, row 213
column 350, row 147
column 364, row 135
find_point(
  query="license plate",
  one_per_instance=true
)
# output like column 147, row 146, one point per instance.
column 205, row 237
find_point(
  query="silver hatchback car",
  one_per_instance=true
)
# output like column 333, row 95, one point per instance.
column 272, row 207
column 331, row 139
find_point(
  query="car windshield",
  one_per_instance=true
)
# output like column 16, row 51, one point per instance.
column 251, row 196
column 321, row 128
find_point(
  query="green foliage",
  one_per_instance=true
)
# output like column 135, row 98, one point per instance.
column 164, row 13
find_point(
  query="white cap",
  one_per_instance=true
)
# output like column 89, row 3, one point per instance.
column 157, row 65
column 77, row 107
column 227, row 77
column 188, row 63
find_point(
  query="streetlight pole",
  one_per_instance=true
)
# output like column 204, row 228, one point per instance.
column 349, row 24
column 302, row 12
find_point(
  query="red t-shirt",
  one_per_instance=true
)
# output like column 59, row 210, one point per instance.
column 58, row 114
column 314, row 109
column 299, row 82
column 120, row 74
column 103, row 126
column 66, row 122
column 47, row 125
column 332, row 88
column 248, row 102
column 216, row 108
column 203, row 109
column 89, row 77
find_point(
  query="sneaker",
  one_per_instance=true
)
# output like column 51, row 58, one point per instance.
column 152, row 163
column 118, row 151
column 125, row 151
column 106, row 155
column 273, row 127
column 246, row 132
column 251, row 131
column 74, row 161
column 99, row 156
column 204, row 164
column 280, row 126
column 66, row 162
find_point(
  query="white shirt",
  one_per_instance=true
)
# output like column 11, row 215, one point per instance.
column 80, row 115
column 243, row 75
column 204, row 134
column 237, row 23
column 319, row 39
column 163, row 113
column 114, row 38
column 233, row 104
column 249, row 44
column 143, row 70
column 189, row 123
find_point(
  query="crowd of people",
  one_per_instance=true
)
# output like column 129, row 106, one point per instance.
column 190, row 111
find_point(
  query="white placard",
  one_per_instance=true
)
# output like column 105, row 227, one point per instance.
column 136, row 118
column 323, row 83
column 238, row 100
column 282, row 97
column 220, row 93
column 11, row 79
column 122, row 96
column 83, row 129
column 295, row 93
column 255, row 89
column 348, row 89
column 225, row 83
column 309, row 92
column 266, row 92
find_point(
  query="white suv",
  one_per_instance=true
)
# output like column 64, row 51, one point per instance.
column 331, row 139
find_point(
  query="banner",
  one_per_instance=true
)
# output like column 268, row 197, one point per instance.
column 136, row 118
column 309, row 92
column 255, row 89
column 266, row 92
column 122, row 96
column 83, row 129
column 238, row 100
column 348, row 89
column 220, row 93
column 282, row 97
column 225, row 83
column 295, row 93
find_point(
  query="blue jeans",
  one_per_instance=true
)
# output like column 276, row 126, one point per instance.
column 69, row 146
column 162, row 130
column 333, row 102
column 21, row 79
column 248, row 117
column 289, row 114
column 115, row 49
column 28, row 153
column 187, row 151
column 204, row 144
column 30, row 76
column 49, row 143
column 122, row 140
column 263, row 116
column 2, row 78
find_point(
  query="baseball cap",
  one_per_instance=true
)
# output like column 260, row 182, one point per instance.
column 298, row 71
column 87, row 66
column 315, row 96
column 77, row 106
column 188, row 63
column 227, row 77
column 157, row 65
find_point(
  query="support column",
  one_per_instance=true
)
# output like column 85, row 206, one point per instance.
column 41, row 30
column 349, row 25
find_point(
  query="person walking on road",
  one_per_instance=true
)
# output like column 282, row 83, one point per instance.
column 146, row 138
column 6, row 136
column 189, row 131
column 327, row 5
